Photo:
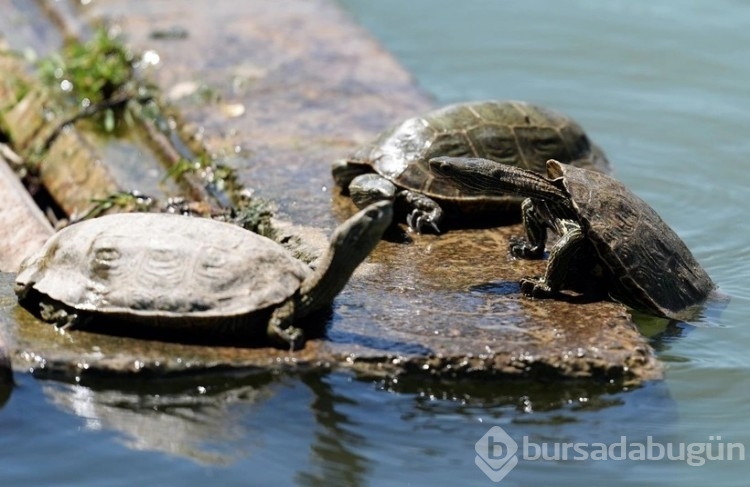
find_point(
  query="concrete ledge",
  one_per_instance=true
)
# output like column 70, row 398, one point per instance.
column 312, row 86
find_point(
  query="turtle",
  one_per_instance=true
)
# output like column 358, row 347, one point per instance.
column 394, row 165
column 189, row 279
column 607, row 234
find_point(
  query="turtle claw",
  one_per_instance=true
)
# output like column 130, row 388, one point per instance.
column 289, row 337
column 60, row 317
column 521, row 248
column 536, row 288
column 424, row 211
column 418, row 220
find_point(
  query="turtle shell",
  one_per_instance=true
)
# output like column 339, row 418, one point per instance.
column 167, row 269
column 650, row 267
column 510, row 132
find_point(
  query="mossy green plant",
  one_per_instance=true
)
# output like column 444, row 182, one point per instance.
column 99, row 80
column 122, row 201
column 95, row 78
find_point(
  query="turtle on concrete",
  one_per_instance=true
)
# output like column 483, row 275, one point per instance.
column 394, row 165
column 197, row 279
column 605, row 231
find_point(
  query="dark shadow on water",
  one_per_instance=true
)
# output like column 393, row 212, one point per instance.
column 509, row 288
column 497, row 288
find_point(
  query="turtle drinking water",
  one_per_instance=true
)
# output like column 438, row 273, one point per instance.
column 188, row 278
column 394, row 166
column 605, row 231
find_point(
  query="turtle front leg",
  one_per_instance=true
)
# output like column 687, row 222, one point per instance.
column 423, row 211
column 561, row 257
column 59, row 316
column 536, row 233
column 281, row 330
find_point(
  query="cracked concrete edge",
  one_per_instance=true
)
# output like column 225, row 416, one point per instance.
column 635, row 368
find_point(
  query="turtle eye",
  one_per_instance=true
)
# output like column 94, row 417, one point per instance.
column 439, row 166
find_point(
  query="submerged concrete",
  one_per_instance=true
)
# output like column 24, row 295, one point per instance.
column 296, row 85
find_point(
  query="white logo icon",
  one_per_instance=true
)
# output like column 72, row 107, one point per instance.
column 496, row 454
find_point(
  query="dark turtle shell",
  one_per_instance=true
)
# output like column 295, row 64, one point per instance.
column 511, row 132
column 650, row 267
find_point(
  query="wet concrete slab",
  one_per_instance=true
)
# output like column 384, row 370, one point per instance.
column 294, row 86
column 312, row 86
column 494, row 335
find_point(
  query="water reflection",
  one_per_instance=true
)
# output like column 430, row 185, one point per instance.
column 6, row 372
column 5, row 390
column 336, row 444
column 335, row 429
column 190, row 418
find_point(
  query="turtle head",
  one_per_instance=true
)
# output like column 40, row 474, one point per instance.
column 354, row 239
column 471, row 175
column 491, row 178
column 350, row 244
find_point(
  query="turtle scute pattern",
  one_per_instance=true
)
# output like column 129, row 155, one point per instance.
column 650, row 263
column 125, row 267
column 511, row 132
column 395, row 166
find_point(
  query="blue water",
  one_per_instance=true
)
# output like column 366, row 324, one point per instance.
column 662, row 87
